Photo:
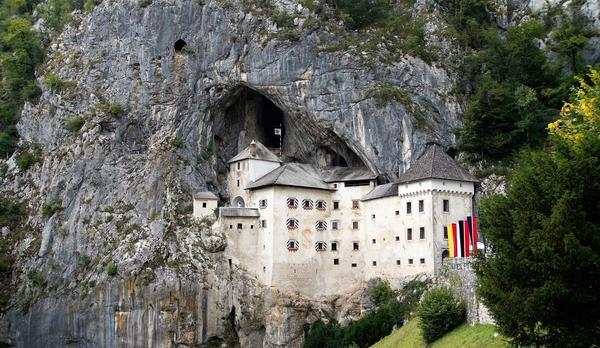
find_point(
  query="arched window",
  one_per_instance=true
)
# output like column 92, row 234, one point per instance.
column 445, row 254
column 292, row 245
column 292, row 224
column 238, row 202
column 179, row 45
column 307, row 204
column 321, row 205
column 292, row 203
column 321, row 225
column 321, row 246
column 262, row 204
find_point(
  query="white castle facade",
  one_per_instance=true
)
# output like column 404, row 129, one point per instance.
column 326, row 231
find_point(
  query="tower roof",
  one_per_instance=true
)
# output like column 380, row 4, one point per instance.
column 381, row 191
column 436, row 164
column 205, row 195
column 262, row 153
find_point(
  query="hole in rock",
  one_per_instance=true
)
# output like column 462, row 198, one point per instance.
column 179, row 45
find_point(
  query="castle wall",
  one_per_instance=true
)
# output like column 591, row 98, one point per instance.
column 201, row 212
column 244, row 245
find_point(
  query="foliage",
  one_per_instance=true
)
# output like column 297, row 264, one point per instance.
column 440, row 312
column 282, row 19
column 10, row 212
column 27, row 159
column 53, row 82
column 52, row 207
column 177, row 141
column 361, row 13
column 364, row 332
column 74, row 124
column 464, row 336
column 386, row 93
column 37, row 278
column 112, row 109
column 111, row 269
column 540, row 279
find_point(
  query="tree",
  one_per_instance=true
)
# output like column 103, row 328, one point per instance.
column 440, row 312
column 540, row 280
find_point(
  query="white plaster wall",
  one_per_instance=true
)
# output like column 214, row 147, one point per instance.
column 264, row 255
column 241, row 174
column 258, row 168
column 199, row 212
column 244, row 245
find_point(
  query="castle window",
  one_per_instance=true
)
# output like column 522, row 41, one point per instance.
column 292, row 224
column 321, row 225
column 353, row 265
column 262, row 204
column 251, row 227
column 374, row 240
column 421, row 232
column 239, row 166
column 355, row 246
column 293, row 245
column 422, row 261
column 334, row 185
column 203, row 204
column 230, row 227
column 321, row 246
column 333, row 246
column 336, row 261
column 292, row 203
column 262, row 223
column 355, row 225
column 336, row 205
column 408, row 208
column 445, row 232
column 397, row 238
column 334, row 224
column 398, row 262
column 410, row 261
column 355, row 204
column 397, row 212
column 421, row 206
column 321, row 205
column 238, row 183
column 374, row 263
column 409, row 234
column 239, row 226
column 373, row 216
column 307, row 204
column 179, row 45
column 446, row 205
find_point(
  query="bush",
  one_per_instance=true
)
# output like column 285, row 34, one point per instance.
column 37, row 278
column 26, row 160
column 53, row 82
column 52, row 207
column 74, row 125
column 440, row 312
column 111, row 269
column 177, row 141
column 382, row 294
column 113, row 109
column 361, row 13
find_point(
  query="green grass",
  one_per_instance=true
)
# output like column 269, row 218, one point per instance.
column 465, row 336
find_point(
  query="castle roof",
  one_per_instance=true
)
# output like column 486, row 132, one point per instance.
column 381, row 191
column 205, row 195
column 292, row 174
column 262, row 153
column 436, row 164
column 239, row 212
column 342, row 174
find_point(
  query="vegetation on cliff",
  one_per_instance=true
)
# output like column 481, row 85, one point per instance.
column 540, row 280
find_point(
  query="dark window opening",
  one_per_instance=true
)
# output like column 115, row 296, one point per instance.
column 336, row 205
column 397, row 212
column 445, row 254
column 336, row 261
column 410, row 261
column 179, row 45
column 408, row 207
column 421, row 206
column 398, row 262
column 446, row 205
column 409, row 234
column 355, row 204
column 374, row 263
column 397, row 238
column 355, row 225
column 334, row 225
column 422, row 261
column 422, row 233
column 445, row 232
column 204, row 205
column 333, row 246
column 239, row 226
column 355, row 246
column 353, row 265
column 357, row 183
column 374, row 241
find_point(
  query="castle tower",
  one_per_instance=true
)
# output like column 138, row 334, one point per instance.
column 246, row 167
column 434, row 192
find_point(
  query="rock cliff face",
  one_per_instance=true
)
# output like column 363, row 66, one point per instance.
column 169, row 91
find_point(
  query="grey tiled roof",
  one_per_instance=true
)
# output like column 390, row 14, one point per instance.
column 381, row 191
column 435, row 163
column 339, row 174
column 205, row 195
column 292, row 174
column 239, row 212
column 262, row 153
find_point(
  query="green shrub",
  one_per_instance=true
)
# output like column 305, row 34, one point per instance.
column 26, row 160
column 10, row 212
column 144, row 3
column 283, row 19
column 88, row 5
column 52, row 207
column 53, row 82
column 387, row 93
column 440, row 312
column 361, row 13
column 382, row 293
column 84, row 262
column 177, row 141
column 74, row 124
column 113, row 109
column 37, row 278
column 111, row 269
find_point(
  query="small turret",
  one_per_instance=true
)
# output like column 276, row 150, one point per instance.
column 253, row 148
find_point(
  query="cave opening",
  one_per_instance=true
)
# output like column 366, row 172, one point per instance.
column 179, row 45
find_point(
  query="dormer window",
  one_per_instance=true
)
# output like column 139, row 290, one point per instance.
column 321, row 246
column 307, row 204
column 292, row 245
column 292, row 224
column 321, row 225
column 292, row 203
column 321, row 205
column 262, row 204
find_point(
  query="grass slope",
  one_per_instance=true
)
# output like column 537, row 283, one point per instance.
column 465, row 336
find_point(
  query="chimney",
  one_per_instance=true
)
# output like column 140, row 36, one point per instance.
column 253, row 148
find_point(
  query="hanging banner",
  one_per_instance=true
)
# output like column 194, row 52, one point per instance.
column 450, row 240
column 461, row 235
column 467, row 239
column 474, row 235
column 455, row 240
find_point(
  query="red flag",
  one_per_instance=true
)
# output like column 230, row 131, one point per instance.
column 454, row 239
column 467, row 244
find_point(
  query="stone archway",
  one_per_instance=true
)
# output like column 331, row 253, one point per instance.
column 238, row 202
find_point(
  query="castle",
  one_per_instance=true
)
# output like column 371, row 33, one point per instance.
column 322, row 231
